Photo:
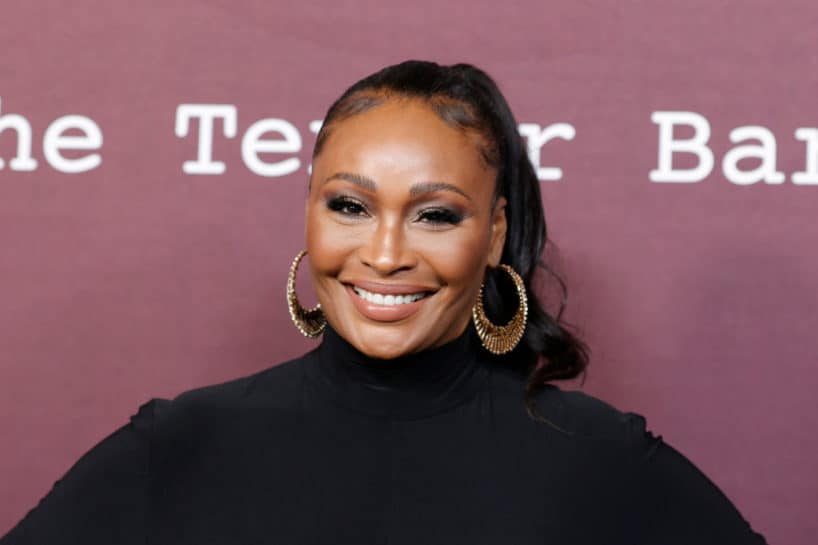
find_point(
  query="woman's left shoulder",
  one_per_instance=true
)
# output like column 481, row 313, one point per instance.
column 584, row 415
column 572, row 413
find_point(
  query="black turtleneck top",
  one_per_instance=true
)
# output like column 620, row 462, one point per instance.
column 335, row 448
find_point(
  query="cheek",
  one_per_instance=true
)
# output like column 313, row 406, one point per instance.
column 325, row 246
column 458, row 258
column 330, row 247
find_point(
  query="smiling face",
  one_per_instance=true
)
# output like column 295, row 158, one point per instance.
column 400, row 224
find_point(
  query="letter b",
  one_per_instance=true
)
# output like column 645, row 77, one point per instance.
column 696, row 145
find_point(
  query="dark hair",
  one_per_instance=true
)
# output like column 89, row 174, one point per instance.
column 467, row 98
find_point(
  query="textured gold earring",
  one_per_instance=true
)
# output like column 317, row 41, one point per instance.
column 500, row 339
column 310, row 322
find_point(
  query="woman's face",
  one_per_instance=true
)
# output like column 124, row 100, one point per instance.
column 400, row 227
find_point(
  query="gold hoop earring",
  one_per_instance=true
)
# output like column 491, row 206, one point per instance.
column 310, row 322
column 500, row 339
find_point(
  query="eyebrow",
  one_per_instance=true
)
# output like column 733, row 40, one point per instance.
column 419, row 188
column 431, row 187
column 356, row 179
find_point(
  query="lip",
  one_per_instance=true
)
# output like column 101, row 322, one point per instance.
column 389, row 289
column 384, row 313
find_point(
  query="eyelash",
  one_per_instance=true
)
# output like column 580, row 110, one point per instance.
column 342, row 205
column 435, row 216
column 440, row 216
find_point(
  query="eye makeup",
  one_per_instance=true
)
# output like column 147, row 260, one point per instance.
column 440, row 216
column 433, row 215
column 346, row 205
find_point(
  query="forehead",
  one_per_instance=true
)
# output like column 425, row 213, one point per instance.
column 404, row 139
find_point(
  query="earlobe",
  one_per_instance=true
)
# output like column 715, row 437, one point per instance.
column 499, row 227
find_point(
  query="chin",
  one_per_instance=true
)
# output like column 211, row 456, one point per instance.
column 383, row 353
column 383, row 342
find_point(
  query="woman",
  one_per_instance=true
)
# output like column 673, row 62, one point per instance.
column 419, row 419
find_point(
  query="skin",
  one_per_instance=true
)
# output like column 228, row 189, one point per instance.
column 373, row 216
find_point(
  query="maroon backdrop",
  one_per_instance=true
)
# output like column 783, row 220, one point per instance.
column 125, row 275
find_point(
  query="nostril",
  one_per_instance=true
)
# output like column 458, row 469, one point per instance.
column 387, row 261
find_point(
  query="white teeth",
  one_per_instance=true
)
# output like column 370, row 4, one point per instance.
column 388, row 300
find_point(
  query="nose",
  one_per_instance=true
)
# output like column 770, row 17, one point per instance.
column 386, row 251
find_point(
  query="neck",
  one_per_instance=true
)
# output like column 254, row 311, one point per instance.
column 411, row 386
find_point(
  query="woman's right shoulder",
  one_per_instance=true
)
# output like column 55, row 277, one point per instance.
column 277, row 386
column 159, row 439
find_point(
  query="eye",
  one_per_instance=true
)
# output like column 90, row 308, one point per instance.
column 347, row 206
column 440, row 216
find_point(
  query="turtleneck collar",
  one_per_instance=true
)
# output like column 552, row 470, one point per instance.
column 409, row 387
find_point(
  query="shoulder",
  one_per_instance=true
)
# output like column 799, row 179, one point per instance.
column 584, row 415
column 572, row 413
column 267, row 385
column 277, row 387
